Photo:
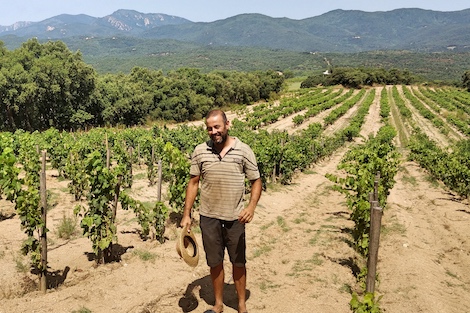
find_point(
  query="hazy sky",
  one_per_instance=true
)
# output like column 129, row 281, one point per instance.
column 12, row 11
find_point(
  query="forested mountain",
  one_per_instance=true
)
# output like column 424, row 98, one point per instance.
column 128, row 22
column 335, row 31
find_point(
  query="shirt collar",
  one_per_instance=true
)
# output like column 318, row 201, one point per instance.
column 236, row 144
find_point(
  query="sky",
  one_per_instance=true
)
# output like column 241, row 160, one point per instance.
column 209, row 10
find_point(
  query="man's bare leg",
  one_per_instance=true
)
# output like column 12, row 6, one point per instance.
column 217, row 276
column 239, row 277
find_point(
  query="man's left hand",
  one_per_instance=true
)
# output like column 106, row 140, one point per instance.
column 246, row 215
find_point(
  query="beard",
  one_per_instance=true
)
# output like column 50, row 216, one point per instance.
column 220, row 139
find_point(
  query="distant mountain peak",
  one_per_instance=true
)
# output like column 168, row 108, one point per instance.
column 335, row 31
column 16, row 25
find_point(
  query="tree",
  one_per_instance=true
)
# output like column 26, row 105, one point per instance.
column 466, row 80
column 43, row 85
column 271, row 82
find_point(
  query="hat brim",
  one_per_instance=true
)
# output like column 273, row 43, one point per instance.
column 187, row 247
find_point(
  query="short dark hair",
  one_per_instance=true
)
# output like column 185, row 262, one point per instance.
column 216, row 112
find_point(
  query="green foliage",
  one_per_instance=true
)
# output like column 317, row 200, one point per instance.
column 358, row 77
column 279, row 155
column 43, row 85
column 24, row 192
column 150, row 219
column 343, row 108
column 98, row 220
column 10, row 185
column 145, row 255
column 123, row 167
column 75, row 170
column 58, row 146
column 400, row 103
column 362, row 163
column 425, row 112
column 466, row 80
column 179, row 173
column 352, row 130
column 122, row 54
column 182, row 95
column 67, row 228
column 455, row 102
column 384, row 105
column 298, row 119
column 452, row 168
column 160, row 215
column 367, row 305
column 46, row 85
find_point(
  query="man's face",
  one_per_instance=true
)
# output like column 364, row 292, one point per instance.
column 217, row 129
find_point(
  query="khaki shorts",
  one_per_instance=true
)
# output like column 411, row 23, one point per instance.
column 218, row 235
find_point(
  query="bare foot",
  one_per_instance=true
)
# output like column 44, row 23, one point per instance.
column 215, row 309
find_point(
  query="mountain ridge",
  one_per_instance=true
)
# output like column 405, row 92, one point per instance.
column 334, row 31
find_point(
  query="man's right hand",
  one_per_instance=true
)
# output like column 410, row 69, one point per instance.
column 186, row 222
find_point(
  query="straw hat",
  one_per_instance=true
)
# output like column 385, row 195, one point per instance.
column 186, row 246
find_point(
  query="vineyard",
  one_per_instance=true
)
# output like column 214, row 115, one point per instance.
column 114, row 197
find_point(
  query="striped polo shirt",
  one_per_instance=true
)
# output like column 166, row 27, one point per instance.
column 223, row 179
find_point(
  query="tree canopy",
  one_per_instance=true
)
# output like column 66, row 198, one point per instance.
column 47, row 85
column 44, row 85
column 358, row 77
column 466, row 80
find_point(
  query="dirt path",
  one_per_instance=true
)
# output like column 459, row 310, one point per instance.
column 424, row 240
column 288, row 124
column 424, row 124
column 425, row 247
column 343, row 121
column 454, row 133
column 402, row 126
column 299, row 254
column 372, row 122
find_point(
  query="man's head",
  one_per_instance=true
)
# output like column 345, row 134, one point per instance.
column 217, row 126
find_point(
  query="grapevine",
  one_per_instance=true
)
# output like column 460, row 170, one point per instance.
column 362, row 163
column 97, row 220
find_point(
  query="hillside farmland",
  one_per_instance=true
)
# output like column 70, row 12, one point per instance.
column 300, row 250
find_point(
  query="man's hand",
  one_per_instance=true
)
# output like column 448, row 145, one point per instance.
column 186, row 222
column 246, row 215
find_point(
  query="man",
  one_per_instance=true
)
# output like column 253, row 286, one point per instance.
column 222, row 164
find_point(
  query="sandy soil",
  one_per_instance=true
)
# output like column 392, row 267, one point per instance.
column 299, row 253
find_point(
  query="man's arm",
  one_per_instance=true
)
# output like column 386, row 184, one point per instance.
column 191, row 194
column 246, row 215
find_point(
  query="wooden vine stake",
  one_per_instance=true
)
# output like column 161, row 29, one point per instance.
column 151, row 168
column 160, row 174
column 138, row 155
column 374, row 238
column 117, row 190
column 43, row 230
column 108, row 154
column 130, row 151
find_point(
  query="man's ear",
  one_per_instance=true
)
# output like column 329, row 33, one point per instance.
column 228, row 124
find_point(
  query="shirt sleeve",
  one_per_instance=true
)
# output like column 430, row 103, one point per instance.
column 195, row 169
column 251, row 166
